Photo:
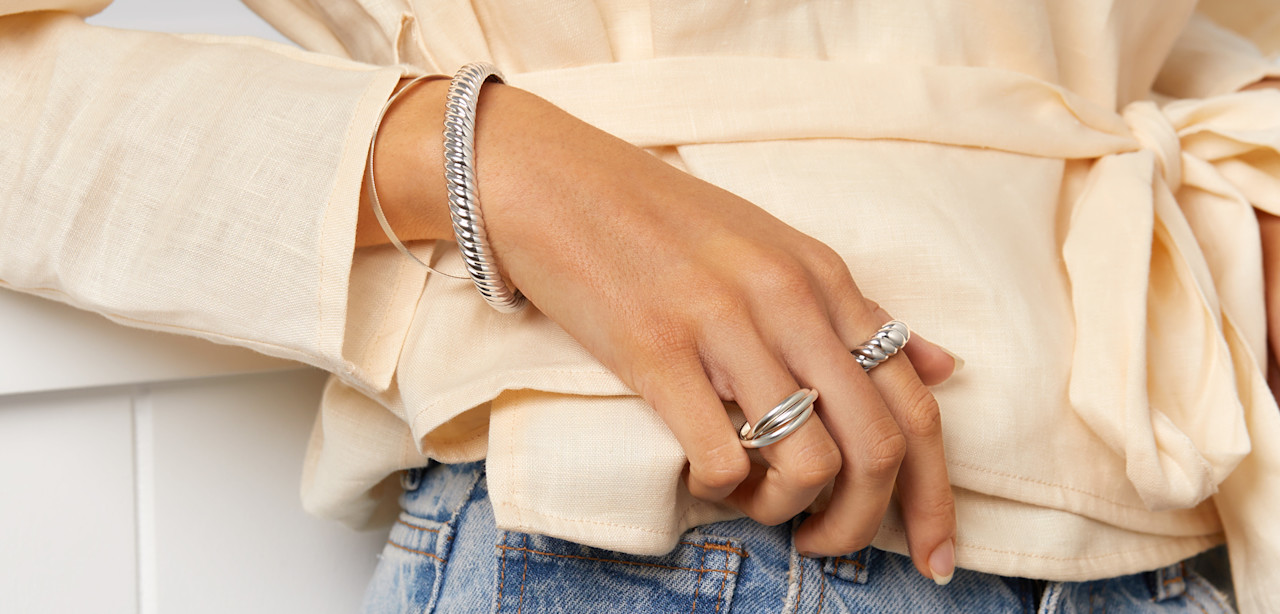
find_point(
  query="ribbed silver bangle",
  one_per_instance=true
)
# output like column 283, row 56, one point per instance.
column 460, row 177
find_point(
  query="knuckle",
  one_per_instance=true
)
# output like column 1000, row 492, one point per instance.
column 771, row 518
column 782, row 275
column 938, row 510
column 720, row 303
column 721, row 467
column 816, row 465
column 829, row 265
column 922, row 418
column 881, row 458
column 851, row 541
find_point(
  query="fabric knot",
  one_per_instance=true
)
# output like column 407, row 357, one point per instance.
column 1155, row 133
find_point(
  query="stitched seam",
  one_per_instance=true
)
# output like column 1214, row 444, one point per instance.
column 524, row 575
column 723, row 578
column 1047, row 483
column 1192, row 599
column 799, row 588
column 502, row 571
column 698, row 585
column 1214, row 593
column 515, row 469
column 822, row 592
column 856, row 564
column 415, row 551
column 1045, row 556
column 417, row 528
column 727, row 548
column 591, row 558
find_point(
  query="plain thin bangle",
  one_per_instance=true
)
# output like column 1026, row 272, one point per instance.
column 373, row 187
column 460, row 178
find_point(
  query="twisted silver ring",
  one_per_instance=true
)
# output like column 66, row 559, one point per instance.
column 784, row 419
column 885, row 343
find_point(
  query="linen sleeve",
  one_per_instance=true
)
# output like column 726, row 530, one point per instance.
column 1227, row 45
column 194, row 184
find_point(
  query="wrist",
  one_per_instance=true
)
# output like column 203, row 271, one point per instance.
column 409, row 170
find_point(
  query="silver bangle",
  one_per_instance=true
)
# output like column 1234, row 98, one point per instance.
column 460, row 178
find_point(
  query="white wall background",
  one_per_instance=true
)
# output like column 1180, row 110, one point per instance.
column 203, row 16
column 149, row 473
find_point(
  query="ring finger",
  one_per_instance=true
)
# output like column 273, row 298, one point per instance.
column 801, row 463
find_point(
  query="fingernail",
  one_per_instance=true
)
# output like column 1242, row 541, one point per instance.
column 943, row 563
column 959, row 360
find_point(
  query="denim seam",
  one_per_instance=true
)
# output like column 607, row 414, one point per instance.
column 620, row 562
column 424, row 553
column 1051, row 599
column 714, row 546
column 799, row 587
column 822, row 592
column 524, row 574
column 418, row 528
column 1192, row 598
column 697, row 586
column 723, row 579
column 1213, row 591
column 502, row 572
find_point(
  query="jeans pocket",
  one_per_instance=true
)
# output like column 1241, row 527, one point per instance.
column 539, row 575
column 411, row 567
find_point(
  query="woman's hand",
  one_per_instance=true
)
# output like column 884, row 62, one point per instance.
column 692, row 296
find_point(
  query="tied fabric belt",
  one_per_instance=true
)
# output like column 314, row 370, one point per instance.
column 1170, row 337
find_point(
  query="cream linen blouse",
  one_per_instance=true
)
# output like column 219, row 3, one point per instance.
column 1002, row 175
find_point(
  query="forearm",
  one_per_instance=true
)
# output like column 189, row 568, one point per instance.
column 409, row 170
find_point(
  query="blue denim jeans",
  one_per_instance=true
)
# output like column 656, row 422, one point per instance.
column 445, row 555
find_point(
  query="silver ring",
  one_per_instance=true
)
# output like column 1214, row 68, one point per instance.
column 784, row 419
column 885, row 343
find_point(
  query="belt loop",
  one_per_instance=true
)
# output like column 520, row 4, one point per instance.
column 440, row 491
column 1168, row 583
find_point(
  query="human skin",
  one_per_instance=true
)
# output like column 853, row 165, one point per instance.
column 1269, row 227
column 692, row 295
